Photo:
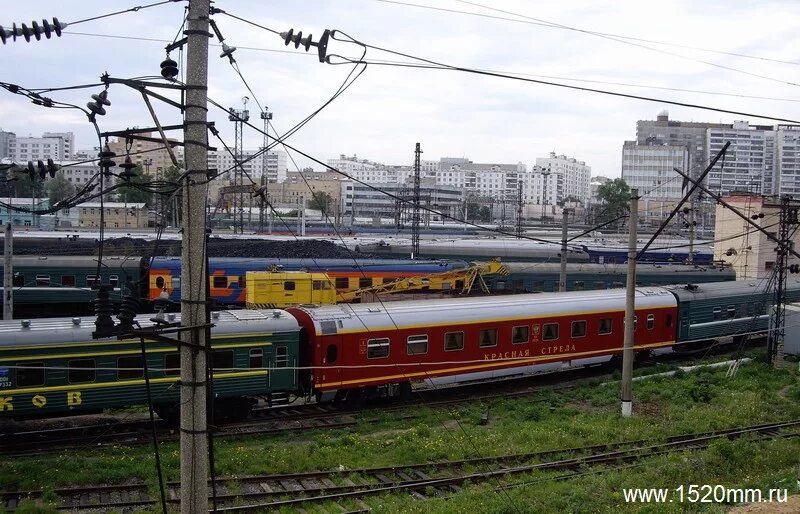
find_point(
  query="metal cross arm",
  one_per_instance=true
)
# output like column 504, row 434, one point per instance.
column 133, row 134
column 677, row 208
column 755, row 225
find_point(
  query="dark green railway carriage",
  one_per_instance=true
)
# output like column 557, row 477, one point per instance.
column 44, row 283
column 714, row 310
column 543, row 277
column 52, row 367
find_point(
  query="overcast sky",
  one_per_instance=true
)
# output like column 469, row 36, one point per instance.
column 451, row 113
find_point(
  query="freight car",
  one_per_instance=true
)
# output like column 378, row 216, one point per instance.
column 349, row 351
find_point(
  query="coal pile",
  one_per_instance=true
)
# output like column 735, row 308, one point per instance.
column 217, row 247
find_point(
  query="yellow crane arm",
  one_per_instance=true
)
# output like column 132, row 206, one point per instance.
column 468, row 275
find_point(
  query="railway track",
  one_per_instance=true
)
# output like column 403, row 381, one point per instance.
column 289, row 418
column 276, row 420
column 348, row 488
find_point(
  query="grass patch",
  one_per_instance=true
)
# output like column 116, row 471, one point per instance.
column 589, row 414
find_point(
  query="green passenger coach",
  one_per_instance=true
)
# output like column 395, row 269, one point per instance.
column 52, row 367
column 737, row 309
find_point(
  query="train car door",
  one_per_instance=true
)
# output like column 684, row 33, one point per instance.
column 281, row 362
column 328, row 362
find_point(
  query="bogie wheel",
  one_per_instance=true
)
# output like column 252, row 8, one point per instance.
column 405, row 392
column 169, row 412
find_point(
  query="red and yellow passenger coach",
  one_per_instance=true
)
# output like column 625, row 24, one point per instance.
column 383, row 348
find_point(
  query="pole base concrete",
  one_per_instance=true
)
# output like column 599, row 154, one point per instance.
column 627, row 409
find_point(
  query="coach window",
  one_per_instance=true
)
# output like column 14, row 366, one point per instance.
column 577, row 285
column 605, row 327
column 717, row 312
column 488, row 338
column 668, row 321
column 68, row 280
column 331, row 354
column 320, row 285
column 538, row 285
column 342, row 282
column 43, row 280
column 240, row 283
column 159, row 282
column 600, row 285
column 130, row 367
column 281, row 357
column 81, row 370
column 218, row 281
column 651, row 321
column 453, row 341
column 364, row 282
column 578, row 329
column 519, row 335
column 19, row 280
column 378, row 348
column 92, row 281
column 288, row 285
column 550, row 332
column 222, row 360
column 172, row 364
column 731, row 311
column 256, row 358
column 31, row 374
column 113, row 280
column 417, row 345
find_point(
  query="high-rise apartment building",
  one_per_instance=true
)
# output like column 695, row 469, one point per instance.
column 690, row 134
column 52, row 145
column 787, row 159
column 5, row 139
column 574, row 176
column 649, row 168
column 749, row 164
column 273, row 164
column 153, row 158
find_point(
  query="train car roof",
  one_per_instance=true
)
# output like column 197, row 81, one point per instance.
column 46, row 331
column 617, row 268
column 322, row 264
column 75, row 261
column 724, row 289
column 479, row 248
column 456, row 311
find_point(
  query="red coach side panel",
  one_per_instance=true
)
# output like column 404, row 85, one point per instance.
column 367, row 345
